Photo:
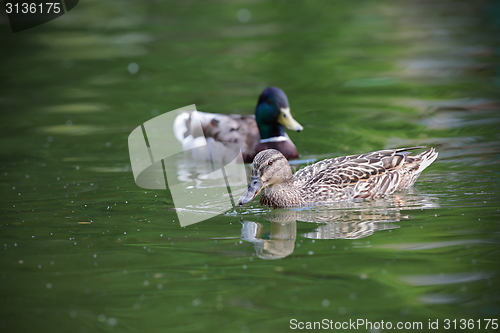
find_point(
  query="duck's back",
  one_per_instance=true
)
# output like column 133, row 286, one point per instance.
column 361, row 176
column 241, row 130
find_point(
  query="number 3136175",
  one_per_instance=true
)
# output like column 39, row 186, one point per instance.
column 33, row 8
column 470, row 324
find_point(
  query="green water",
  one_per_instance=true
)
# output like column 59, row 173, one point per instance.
column 86, row 250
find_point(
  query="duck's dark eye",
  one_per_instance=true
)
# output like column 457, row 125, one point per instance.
column 270, row 162
column 269, row 102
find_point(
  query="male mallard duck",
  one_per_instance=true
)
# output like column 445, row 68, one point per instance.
column 367, row 175
column 252, row 134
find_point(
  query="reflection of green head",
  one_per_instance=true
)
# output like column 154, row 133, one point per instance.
column 273, row 114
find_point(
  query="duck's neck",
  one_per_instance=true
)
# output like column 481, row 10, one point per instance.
column 270, row 130
column 281, row 195
column 266, row 117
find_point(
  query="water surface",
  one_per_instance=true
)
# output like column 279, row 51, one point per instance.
column 86, row 250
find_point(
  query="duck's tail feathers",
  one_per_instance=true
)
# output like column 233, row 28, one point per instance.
column 426, row 158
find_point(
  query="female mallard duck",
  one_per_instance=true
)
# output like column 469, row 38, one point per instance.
column 367, row 175
column 252, row 134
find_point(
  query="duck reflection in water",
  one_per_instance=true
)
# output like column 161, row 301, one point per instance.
column 352, row 223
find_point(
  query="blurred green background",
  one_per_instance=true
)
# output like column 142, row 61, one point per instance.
column 86, row 250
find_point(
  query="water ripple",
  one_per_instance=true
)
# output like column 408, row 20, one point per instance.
column 441, row 279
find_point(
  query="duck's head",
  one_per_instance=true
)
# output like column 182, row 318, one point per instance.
column 269, row 168
column 273, row 114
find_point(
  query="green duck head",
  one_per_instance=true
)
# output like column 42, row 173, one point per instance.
column 273, row 114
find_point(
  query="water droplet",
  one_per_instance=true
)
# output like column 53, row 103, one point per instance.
column 133, row 68
column 244, row 15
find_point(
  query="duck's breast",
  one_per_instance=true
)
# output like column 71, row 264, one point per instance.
column 286, row 147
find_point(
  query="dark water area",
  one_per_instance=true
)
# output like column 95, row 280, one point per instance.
column 84, row 249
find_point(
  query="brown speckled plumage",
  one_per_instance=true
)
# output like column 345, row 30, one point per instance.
column 365, row 176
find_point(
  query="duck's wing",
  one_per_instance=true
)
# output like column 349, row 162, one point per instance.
column 364, row 176
column 239, row 129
